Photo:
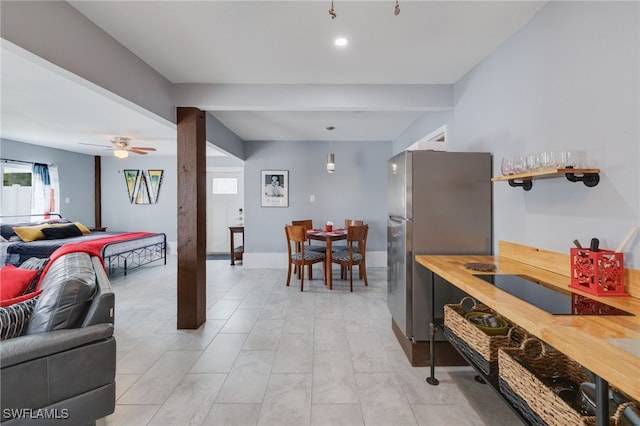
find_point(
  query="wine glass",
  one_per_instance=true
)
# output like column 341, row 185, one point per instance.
column 507, row 166
column 519, row 164
column 533, row 162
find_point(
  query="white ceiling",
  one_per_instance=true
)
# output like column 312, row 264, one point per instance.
column 266, row 42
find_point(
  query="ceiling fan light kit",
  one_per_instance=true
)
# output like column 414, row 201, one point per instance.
column 120, row 153
column 121, row 148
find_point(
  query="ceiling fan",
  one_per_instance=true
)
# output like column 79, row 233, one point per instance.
column 121, row 148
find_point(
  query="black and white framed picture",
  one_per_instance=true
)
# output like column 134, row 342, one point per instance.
column 275, row 188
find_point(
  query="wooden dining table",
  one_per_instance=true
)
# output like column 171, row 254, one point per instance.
column 328, row 237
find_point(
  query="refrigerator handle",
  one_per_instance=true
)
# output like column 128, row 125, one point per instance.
column 401, row 219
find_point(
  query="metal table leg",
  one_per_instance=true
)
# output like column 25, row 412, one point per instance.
column 432, row 338
column 602, row 402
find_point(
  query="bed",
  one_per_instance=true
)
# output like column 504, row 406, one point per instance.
column 121, row 251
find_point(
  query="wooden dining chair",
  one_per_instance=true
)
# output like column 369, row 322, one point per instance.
column 308, row 223
column 296, row 237
column 347, row 224
column 355, row 252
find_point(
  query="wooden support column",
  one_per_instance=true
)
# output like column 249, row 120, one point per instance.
column 192, row 232
column 97, row 192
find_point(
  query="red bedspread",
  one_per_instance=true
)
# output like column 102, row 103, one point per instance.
column 91, row 247
column 97, row 244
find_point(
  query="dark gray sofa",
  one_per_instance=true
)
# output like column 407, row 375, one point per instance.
column 62, row 370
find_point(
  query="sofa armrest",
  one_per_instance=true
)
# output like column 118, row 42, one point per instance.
column 102, row 306
column 25, row 348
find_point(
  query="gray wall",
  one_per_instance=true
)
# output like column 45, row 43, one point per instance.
column 357, row 190
column 119, row 214
column 75, row 172
column 568, row 80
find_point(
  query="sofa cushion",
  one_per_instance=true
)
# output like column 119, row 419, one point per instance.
column 14, row 318
column 36, row 264
column 68, row 283
column 14, row 281
column 60, row 232
column 18, row 299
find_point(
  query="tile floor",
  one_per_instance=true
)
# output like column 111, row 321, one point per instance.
column 272, row 355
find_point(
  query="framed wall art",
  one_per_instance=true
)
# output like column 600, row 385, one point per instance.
column 274, row 186
column 143, row 186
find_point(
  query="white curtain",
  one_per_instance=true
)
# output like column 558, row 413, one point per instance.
column 45, row 191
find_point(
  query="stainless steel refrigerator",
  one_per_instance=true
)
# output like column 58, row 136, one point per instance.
column 439, row 203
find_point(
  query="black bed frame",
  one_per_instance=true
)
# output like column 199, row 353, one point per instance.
column 119, row 260
column 135, row 257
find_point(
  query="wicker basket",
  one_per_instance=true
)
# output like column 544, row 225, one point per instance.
column 537, row 402
column 481, row 348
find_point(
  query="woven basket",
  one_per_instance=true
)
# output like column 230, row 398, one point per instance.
column 537, row 402
column 481, row 348
column 614, row 420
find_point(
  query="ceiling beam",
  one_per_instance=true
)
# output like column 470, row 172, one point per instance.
column 315, row 97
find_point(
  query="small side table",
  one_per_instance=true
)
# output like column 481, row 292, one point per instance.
column 236, row 252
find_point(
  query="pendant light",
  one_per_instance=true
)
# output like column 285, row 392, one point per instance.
column 331, row 160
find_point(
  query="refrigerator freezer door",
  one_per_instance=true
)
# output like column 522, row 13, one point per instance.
column 452, row 215
column 399, row 241
column 399, row 195
column 398, row 273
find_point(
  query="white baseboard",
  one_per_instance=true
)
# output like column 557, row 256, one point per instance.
column 375, row 259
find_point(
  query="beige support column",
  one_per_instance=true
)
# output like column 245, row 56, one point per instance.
column 192, row 164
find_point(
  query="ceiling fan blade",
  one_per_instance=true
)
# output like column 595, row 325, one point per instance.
column 141, row 148
column 94, row 144
column 136, row 151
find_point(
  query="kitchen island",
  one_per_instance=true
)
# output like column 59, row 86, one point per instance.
column 609, row 346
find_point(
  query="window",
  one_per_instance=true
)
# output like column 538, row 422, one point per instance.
column 16, row 189
column 225, row 186
column 24, row 193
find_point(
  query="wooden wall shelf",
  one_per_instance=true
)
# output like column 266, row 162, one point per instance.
column 590, row 177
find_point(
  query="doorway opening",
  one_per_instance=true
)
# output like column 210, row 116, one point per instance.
column 225, row 207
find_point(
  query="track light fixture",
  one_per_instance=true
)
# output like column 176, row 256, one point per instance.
column 332, row 11
column 333, row 14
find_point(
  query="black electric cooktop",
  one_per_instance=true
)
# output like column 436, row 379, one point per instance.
column 549, row 298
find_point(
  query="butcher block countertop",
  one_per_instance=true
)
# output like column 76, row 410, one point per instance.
column 607, row 345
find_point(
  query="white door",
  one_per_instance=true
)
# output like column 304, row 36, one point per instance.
column 225, row 199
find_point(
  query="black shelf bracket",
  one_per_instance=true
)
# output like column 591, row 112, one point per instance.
column 526, row 184
column 589, row 179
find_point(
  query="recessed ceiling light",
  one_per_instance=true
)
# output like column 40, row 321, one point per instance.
column 341, row 42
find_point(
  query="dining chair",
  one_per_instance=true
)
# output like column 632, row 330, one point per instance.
column 296, row 237
column 337, row 247
column 347, row 224
column 354, row 254
column 308, row 223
